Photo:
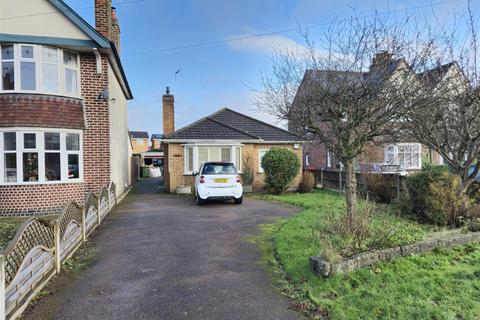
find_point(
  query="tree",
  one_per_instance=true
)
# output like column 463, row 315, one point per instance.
column 446, row 117
column 352, row 91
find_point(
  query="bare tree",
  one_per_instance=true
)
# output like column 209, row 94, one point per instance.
column 353, row 90
column 447, row 113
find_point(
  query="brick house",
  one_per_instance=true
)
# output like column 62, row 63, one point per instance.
column 225, row 135
column 63, row 106
column 385, row 154
column 139, row 141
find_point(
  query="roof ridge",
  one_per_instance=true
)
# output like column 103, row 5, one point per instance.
column 256, row 120
column 233, row 128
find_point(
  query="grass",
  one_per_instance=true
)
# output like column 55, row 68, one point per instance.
column 8, row 229
column 444, row 284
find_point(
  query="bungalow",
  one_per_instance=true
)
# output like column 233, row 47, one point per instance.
column 225, row 135
column 63, row 106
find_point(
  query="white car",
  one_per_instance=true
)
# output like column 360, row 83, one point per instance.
column 218, row 180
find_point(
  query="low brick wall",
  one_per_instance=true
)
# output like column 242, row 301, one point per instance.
column 325, row 269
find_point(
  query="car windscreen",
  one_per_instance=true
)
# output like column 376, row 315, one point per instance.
column 219, row 168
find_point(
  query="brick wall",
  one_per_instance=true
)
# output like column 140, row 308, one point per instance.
column 33, row 110
column 38, row 199
column 139, row 148
column 96, row 138
column 174, row 165
column 168, row 114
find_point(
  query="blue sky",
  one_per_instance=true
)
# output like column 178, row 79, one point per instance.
column 222, row 75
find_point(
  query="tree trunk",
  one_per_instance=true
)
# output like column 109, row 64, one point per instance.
column 351, row 188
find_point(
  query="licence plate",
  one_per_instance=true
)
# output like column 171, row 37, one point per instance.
column 220, row 180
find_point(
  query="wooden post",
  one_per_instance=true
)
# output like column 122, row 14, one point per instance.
column 84, row 225
column 398, row 186
column 2, row 288
column 321, row 177
column 340, row 179
column 99, row 219
column 58, row 259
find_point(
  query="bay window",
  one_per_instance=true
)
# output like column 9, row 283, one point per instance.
column 406, row 155
column 195, row 155
column 39, row 69
column 40, row 156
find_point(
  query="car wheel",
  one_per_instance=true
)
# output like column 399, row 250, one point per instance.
column 238, row 200
column 200, row 201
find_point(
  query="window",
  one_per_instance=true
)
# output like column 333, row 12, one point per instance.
column 329, row 159
column 32, row 68
column 40, row 156
column 219, row 168
column 261, row 154
column 8, row 71
column 307, row 160
column 405, row 155
column 194, row 156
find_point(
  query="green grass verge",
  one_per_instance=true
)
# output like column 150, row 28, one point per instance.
column 444, row 284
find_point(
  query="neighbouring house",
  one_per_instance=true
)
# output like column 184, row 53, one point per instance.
column 139, row 141
column 386, row 154
column 156, row 141
column 225, row 135
column 63, row 106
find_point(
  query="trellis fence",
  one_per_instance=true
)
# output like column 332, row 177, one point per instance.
column 41, row 246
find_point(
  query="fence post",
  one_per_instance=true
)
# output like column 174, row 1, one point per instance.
column 2, row 287
column 321, row 177
column 99, row 219
column 84, row 225
column 398, row 186
column 56, row 231
column 340, row 179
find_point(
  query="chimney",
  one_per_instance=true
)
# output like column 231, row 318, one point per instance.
column 168, row 113
column 115, row 29
column 381, row 60
column 103, row 17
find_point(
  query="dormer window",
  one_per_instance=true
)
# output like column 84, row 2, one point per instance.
column 39, row 69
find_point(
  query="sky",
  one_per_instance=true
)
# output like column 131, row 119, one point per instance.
column 160, row 37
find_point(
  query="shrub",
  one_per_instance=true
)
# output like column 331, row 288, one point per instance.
column 434, row 196
column 380, row 185
column 474, row 191
column 248, row 173
column 308, row 182
column 280, row 166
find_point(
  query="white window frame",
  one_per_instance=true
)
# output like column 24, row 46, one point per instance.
column 37, row 49
column 260, row 157
column 196, row 162
column 395, row 152
column 40, row 150
column 329, row 159
column 307, row 160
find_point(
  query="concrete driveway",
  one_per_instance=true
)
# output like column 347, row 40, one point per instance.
column 161, row 257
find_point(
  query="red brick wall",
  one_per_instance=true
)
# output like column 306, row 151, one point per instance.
column 96, row 138
column 30, row 110
column 38, row 199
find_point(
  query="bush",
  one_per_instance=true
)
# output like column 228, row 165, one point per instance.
column 380, row 185
column 474, row 191
column 434, row 196
column 248, row 173
column 308, row 182
column 280, row 166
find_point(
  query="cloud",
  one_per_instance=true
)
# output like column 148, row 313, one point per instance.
column 266, row 45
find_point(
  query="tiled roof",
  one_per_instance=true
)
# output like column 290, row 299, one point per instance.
column 435, row 75
column 138, row 134
column 157, row 136
column 227, row 124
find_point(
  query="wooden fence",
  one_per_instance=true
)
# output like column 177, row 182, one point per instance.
column 335, row 180
column 41, row 246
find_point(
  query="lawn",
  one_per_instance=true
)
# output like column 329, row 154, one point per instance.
column 444, row 284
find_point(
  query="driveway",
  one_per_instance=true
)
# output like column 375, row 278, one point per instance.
column 161, row 257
